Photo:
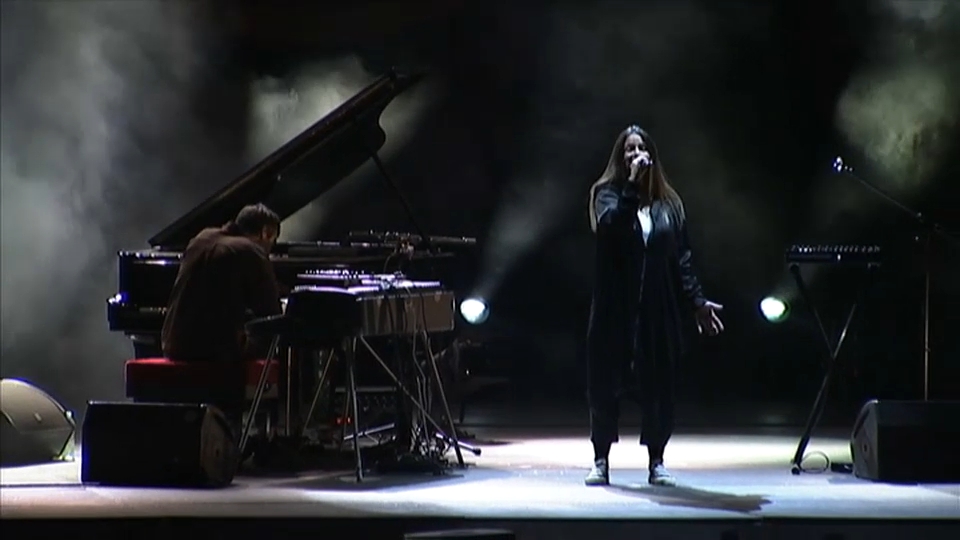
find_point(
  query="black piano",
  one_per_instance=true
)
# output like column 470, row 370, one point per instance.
column 287, row 180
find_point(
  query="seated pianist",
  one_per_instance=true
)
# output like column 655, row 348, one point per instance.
column 225, row 280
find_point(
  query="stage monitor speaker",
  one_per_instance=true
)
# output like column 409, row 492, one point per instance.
column 907, row 442
column 156, row 444
column 34, row 428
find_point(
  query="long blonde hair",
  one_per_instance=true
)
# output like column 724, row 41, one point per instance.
column 659, row 189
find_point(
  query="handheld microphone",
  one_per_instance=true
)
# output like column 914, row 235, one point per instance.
column 641, row 160
column 841, row 167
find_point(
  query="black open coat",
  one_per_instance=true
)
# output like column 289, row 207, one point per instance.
column 641, row 292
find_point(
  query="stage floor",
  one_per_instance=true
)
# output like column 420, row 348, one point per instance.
column 518, row 476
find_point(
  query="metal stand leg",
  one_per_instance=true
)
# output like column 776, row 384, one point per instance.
column 288, row 394
column 833, row 353
column 926, row 318
column 316, row 395
column 258, row 395
column 372, row 431
column 416, row 402
column 475, row 450
column 350, row 352
column 443, row 398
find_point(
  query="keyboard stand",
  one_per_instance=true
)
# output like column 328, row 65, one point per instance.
column 451, row 439
column 261, row 386
column 348, row 352
column 833, row 352
column 279, row 325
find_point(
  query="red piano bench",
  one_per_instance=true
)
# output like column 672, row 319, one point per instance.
column 161, row 380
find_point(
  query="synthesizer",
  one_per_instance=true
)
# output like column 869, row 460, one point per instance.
column 834, row 254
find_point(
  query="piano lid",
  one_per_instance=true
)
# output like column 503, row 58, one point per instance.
column 302, row 169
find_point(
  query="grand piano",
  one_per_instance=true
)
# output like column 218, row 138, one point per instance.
column 287, row 180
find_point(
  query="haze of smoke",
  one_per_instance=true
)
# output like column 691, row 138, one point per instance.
column 281, row 109
column 91, row 93
column 900, row 110
column 605, row 65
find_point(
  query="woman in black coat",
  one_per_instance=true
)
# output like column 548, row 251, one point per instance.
column 644, row 281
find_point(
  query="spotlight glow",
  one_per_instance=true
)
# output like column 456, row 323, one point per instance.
column 474, row 310
column 773, row 309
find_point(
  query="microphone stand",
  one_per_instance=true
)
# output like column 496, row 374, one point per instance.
column 930, row 229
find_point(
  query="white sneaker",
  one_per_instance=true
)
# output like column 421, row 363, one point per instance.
column 660, row 476
column 599, row 475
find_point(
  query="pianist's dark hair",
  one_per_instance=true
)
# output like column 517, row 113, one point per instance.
column 252, row 219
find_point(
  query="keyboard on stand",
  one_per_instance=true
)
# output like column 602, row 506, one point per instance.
column 357, row 304
column 862, row 256
column 834, row 254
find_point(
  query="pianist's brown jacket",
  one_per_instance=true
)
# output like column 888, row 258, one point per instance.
column 224, row 280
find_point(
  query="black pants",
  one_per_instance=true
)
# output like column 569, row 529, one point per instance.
column 648, row 381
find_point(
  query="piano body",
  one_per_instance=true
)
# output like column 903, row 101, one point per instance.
column 287, row 180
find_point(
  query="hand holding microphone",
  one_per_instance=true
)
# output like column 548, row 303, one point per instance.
column 639, row 164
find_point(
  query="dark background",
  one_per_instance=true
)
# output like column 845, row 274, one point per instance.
column 747, row 101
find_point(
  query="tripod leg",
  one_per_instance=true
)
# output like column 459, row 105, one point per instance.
column 373, row 431
column 475, row 450
column 406, row 416
column 350, row 347
column 443, row 399
column 413, row 399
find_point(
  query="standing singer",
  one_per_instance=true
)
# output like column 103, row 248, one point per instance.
column 644, row 280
